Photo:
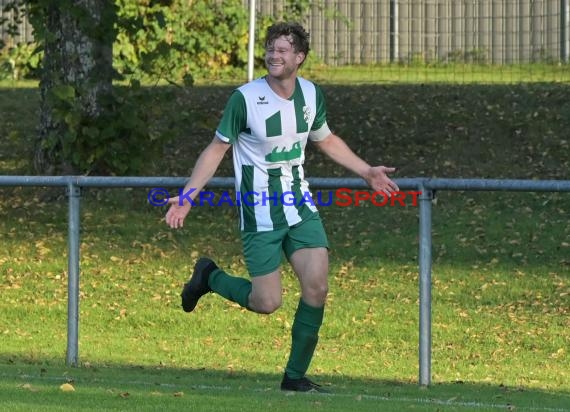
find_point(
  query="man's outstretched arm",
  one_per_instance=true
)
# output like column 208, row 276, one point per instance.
column 376, row 176
column 205, row 167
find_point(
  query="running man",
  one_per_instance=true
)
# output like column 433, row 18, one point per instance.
column 267, row 123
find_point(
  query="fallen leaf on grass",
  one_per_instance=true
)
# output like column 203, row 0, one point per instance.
column 28, row 387
column 67, row 387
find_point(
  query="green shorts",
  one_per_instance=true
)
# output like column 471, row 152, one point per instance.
column 262, row 250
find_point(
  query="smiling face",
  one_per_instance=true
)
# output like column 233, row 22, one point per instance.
column 281, row 59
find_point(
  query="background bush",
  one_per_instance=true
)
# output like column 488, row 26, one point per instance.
column 173, row 41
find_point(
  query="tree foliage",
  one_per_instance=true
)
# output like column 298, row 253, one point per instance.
column 173, row 40
column 180, row 40
column 152, row 41
column 17, row 59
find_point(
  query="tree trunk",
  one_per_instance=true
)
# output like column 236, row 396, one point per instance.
column 76, row 77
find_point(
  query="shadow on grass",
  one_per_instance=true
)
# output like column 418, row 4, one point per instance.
column 113, row 381
column 443, row 130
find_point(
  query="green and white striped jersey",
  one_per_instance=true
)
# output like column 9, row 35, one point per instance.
column 269, row 135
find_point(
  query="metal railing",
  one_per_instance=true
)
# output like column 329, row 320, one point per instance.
column 427, row 187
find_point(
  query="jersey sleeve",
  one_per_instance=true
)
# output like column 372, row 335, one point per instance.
column 234, row 119
column 320, row 129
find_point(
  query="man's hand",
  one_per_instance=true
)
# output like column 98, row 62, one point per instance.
column 378, row 180
column 376, row 177
column 176, row 214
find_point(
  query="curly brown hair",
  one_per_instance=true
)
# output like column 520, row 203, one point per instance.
column 299, row 36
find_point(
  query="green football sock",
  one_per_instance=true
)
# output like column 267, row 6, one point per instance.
column 305, row 334
column 230, row 287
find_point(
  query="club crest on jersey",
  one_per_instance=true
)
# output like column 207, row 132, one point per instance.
column 306, row 113
column 282, row 154
column 261, row 100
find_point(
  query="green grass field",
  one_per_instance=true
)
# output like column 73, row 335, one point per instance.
column 501, row 303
